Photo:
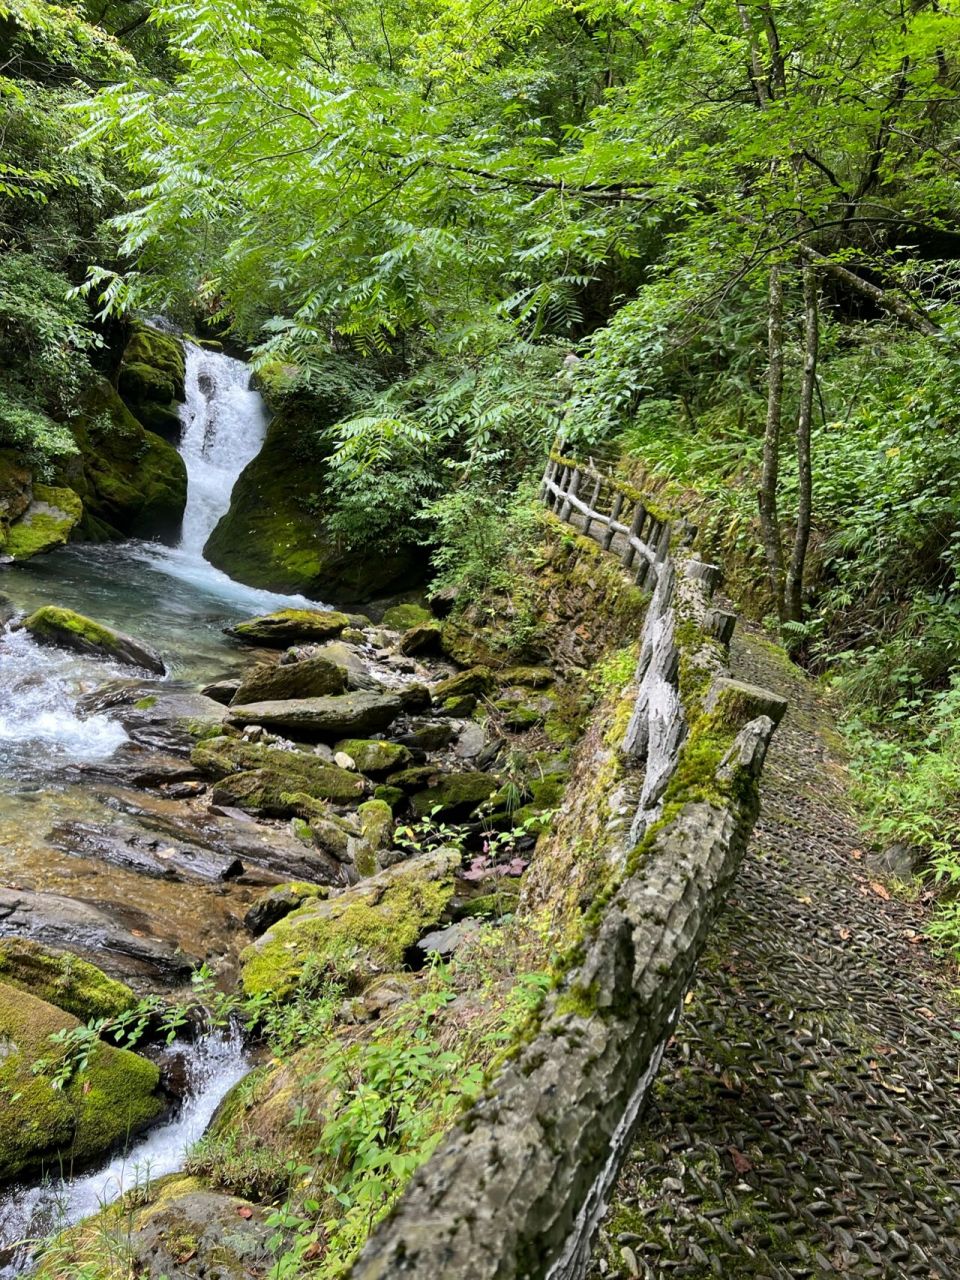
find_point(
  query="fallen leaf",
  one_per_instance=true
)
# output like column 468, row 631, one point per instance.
column 740, row 1162
column 244, row 1211
column 880, row 890
column 845, row 934
column 312, row 1251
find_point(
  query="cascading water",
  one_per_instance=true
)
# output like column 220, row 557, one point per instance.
column 224, row 422
column 212, row 1066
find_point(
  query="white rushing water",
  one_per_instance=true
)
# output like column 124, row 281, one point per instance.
column 224, row 424
column 213, row 1065
column 38, row 692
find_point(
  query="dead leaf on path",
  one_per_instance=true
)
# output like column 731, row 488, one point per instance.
column 856, row 853
column 741, row 1163
column 880, row 890
column 845, row 934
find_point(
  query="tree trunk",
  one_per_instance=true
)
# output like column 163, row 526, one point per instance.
column 793, row 596
column 769, row 519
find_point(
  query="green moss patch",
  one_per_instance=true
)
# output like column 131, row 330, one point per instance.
column 62, row 979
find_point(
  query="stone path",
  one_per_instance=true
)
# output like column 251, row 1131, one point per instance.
column 806, row 1122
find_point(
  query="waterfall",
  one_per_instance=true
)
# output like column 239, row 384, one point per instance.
column 224, row 422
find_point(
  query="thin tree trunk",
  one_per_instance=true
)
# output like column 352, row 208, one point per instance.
column 793, row 596
column 769, row 518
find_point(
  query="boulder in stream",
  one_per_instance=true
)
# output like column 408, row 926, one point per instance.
column 46, row 524
column 63, row 979
column 314, row 677
column 68, row 630
column 291, row 626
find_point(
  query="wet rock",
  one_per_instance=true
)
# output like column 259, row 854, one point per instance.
column 356, row 935
column 348, row 715
column 415, row 696
column 454, row 795
column 291, row 626
column 68, row 630
column 143, row 853
column 279, row 902
column 116, row 1095
column 462, row 706
column 58, row 921
column 62, row 979
column 221, row 691
column 311, row 678
column 161, row 717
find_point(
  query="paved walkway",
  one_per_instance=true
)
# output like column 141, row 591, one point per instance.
column 806, row 1122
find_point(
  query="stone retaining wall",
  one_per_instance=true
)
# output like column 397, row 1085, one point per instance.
column 516, row 1188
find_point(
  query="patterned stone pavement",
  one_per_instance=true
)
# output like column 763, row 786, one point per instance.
column 806, row 1122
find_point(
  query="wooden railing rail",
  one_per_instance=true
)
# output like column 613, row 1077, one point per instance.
column 630, row 527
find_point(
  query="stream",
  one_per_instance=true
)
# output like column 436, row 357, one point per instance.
column 55, row 773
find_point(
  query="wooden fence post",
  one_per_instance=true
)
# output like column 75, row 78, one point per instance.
column 614, row 516
column 592, row 504
column 636, row 524
column 572, row 488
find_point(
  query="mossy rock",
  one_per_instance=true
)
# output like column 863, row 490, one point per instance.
column 461, row 707
column 357, row 935
column 96, row 1110
column 291, row 626
column 184, row 1230
column 133, row 483
column 274, row 534
column 455, row 795
column 68, row 630
column 477, row 680
column 415, row 778
column 46, row 524
column 421, row 639
column 393, row 796
column 264, row 778
column 62, row 979
column 162, row 352
column 527, row 677
column 376, row 828
column 309, row 678
column 404, row 616
column 375, row 757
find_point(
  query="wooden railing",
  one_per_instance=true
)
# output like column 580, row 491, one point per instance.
column 592, row 500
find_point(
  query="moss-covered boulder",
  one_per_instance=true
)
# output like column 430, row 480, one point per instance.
column 401, row 617
column 376, row 828
column 527, row 677
column 373, row 756
column 357, row 935
column 291, row 627
column 62, row 979
column 46, row 524
column 184, row 1231
column 478, row 680
column 269, row 779
column 420, row 640
column 132, row 482
column 95, row 1110
column 68, row 630
column 454, row 795
column 357, row 713
column 273, row 535
column 151, row 378
column 311, row 678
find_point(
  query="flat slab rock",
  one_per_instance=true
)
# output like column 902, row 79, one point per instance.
column 347, row 715
column 95, row 932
